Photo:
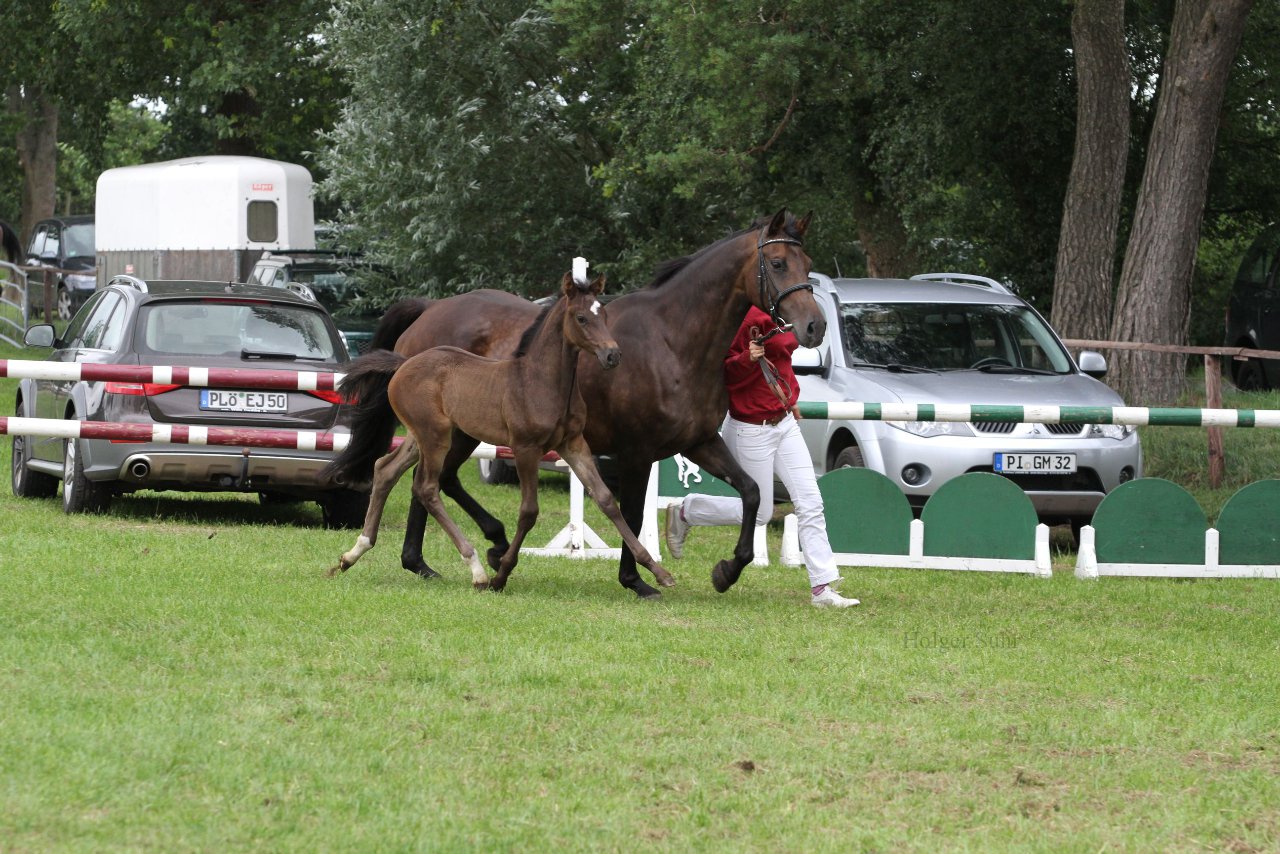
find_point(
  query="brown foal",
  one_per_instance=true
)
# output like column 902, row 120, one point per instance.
column 530, row 403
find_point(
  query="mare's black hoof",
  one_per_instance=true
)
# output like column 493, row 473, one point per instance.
column 643, row 591
column 493, row 557
column 426, row 573
column 721, row 580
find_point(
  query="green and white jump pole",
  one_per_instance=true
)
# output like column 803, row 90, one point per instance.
column 1136, row 416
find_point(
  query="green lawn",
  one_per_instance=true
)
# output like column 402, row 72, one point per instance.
column 181, row 675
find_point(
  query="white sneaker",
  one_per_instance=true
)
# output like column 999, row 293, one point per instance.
column 829, row 598
column 677, row 530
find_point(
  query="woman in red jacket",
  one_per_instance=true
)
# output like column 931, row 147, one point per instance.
column 762, row 433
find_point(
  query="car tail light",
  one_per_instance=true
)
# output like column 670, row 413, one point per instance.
column 141, row 389
column 334, row 397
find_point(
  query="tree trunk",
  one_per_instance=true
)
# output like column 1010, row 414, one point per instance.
column 1091, row 212
column 36, row 140
column 242, row 110
column 883, row 237
column 1153, row 301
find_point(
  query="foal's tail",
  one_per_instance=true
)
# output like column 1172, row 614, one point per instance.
column 373, row 421
column 396, row 320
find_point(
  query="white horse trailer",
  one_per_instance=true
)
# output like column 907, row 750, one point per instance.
column 207, row 218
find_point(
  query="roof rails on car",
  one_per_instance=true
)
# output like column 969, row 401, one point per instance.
column 963, row 279
column 301, row 290
column 131, row 281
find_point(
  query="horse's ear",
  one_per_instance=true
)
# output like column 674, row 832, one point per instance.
column 567, row 285
column 802, row 225
column 597, row 285
column 778, row 221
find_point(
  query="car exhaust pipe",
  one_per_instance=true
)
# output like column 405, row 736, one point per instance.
column 140, row 468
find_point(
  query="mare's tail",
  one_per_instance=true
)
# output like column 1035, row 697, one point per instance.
column 9, row 243
column 397, row 319
column 373, row 421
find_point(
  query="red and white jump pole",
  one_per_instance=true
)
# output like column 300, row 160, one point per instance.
column 176, row 434
column 172, row 375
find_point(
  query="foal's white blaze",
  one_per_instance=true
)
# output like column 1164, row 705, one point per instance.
column 595, row 307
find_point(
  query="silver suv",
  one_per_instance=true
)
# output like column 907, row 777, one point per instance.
column 950, row 338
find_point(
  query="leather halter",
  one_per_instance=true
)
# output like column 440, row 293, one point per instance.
column 762, row 275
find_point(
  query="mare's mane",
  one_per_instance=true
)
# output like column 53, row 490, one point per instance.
column 666, row 270
column 526, row 337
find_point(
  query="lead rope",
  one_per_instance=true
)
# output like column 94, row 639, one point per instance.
column 780, row 388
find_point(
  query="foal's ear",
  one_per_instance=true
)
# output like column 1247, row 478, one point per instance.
column 802, row 225
column 597, row 285
column 776, row 224
column 567, row 285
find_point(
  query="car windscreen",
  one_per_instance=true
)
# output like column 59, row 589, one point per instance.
column 77, row 240
column 949, row 337
column 339, row 292
column 235, row 328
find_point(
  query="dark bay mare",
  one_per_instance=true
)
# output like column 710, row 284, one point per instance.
column 10, row 244
column 529, row 403
column 667, row 397
column 10, row 251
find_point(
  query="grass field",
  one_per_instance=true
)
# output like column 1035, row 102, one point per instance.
column 180, row 675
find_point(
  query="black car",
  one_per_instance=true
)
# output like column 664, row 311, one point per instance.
column 192, row 324
column 331, row 276
column 1253, row 315
column 66, row 244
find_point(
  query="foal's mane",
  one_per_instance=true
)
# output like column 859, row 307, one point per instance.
column 526, row 337
column 666, row 270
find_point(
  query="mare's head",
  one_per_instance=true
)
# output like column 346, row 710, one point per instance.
column 583, row 322
column 776, row 278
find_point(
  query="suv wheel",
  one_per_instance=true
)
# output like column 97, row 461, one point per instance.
column 79, row 494
column 850, row 458
column 344, row 509
column 497, row 472
column 27, row 483
column 64, row 303
column 1077, row 524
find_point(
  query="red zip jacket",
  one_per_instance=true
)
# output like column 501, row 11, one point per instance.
column 749, row 396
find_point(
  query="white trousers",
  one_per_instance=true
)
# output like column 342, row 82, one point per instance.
column 764, row 451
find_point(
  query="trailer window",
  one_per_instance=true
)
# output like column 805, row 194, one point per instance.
column 263, row 222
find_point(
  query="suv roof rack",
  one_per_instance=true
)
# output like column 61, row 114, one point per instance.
column 301, row 290
column 963, row 279
column 132, row 281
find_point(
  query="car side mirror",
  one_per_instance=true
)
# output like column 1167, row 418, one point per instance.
column 806, row 360
column 40, row 335
column 1093, row 363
